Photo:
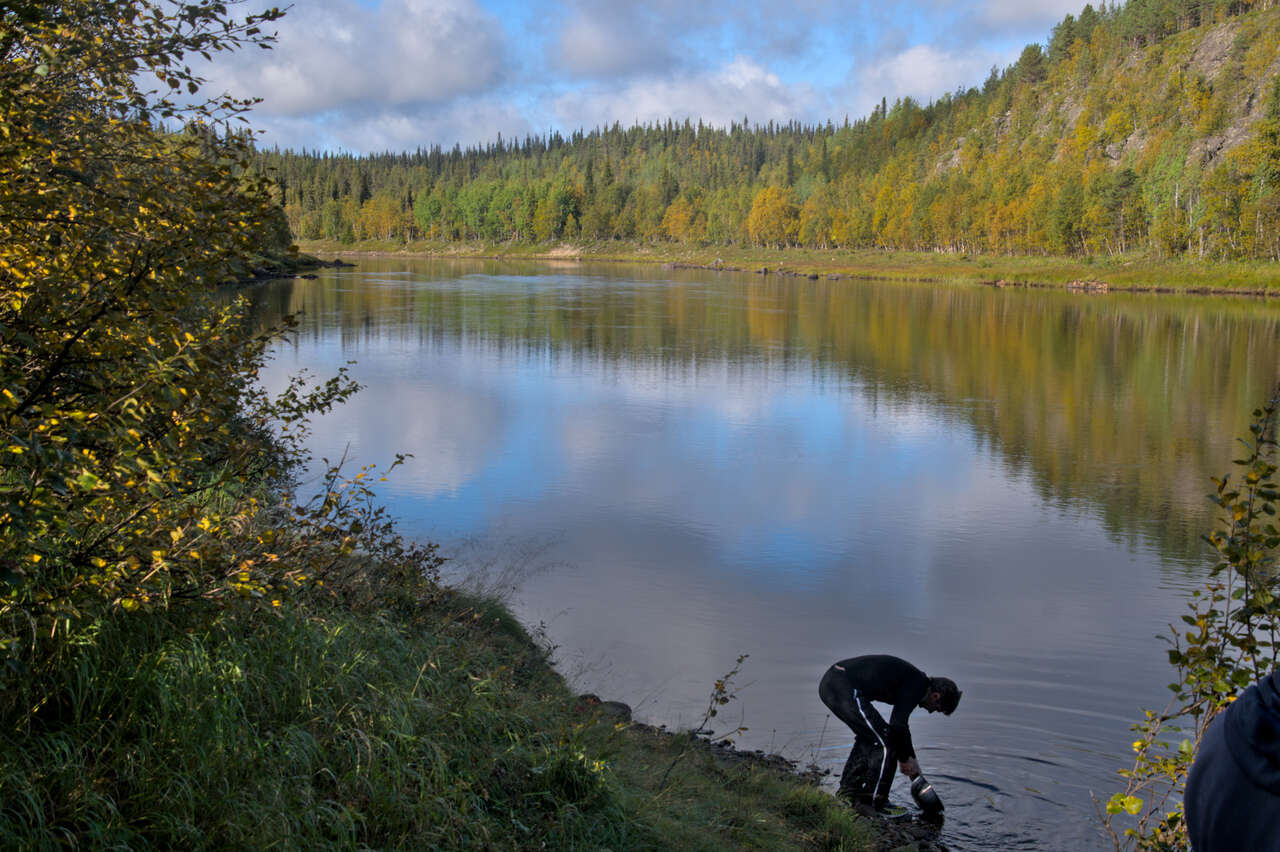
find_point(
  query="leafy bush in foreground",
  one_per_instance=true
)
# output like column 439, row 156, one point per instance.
column 140, row 467
column 1230, row 638
column 126, row 455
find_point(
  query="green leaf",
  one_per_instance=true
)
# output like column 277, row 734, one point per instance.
column 88, row 481
column 1122, row 803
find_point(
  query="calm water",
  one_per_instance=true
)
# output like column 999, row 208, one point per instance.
column 667, row 469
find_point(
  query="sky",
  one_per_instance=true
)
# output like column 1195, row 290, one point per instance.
column 394, row 75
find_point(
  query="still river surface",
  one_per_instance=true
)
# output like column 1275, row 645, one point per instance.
column 667, row 468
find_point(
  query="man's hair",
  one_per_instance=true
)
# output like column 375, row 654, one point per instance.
column 949, row 694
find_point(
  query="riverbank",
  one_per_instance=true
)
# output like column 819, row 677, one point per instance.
column 273, row 265
column 321, row 726
column 1101, row 274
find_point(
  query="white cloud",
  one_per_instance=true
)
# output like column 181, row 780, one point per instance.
column 600, row 46
column 742, row 87
column 619, row 38
column 1008, row 14
column 370, row 75
column 337, row 53
column 923, row 72
column 466, row 122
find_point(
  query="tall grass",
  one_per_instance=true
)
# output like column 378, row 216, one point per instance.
column 302, row 731
column 337, row 729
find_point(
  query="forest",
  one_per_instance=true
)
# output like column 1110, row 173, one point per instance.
column 1150, row 127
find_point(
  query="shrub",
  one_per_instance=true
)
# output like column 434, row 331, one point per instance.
column 1229, row 640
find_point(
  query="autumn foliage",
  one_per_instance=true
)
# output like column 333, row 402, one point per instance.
column 1148, row 126
column 141, row 465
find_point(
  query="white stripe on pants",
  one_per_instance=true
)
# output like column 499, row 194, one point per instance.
column 884, row 747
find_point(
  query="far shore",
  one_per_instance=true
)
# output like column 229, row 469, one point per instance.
column 1093, row 275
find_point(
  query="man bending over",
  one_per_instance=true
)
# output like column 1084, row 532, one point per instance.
column 849, row 687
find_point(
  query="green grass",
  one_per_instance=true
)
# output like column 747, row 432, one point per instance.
column 1120, row 272
column 324, row 728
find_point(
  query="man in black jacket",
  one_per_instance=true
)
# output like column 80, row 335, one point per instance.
column 849, row 687
column 1232, row 800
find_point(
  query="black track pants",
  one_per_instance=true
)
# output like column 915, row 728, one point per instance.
column 868, row 773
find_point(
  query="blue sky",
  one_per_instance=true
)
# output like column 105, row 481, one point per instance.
column 374, row 75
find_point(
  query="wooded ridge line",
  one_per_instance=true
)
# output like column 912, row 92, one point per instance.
column 1149, row 127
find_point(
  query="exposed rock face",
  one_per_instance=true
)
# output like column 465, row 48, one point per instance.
column 1213, row 59
column 1212, row 52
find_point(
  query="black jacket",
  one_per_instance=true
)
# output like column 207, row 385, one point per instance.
column 891, row 680
column 1253, row 733
column 1232, row 800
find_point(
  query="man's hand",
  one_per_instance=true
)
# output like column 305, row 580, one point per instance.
column 909, row 767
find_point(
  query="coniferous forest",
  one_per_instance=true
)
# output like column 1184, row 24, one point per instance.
column 1149, row 127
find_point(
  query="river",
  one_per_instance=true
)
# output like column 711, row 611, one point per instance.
column 665, row 469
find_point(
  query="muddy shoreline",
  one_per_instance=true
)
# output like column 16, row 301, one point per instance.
column 910, row 831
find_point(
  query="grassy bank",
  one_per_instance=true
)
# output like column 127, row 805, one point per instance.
column 1119, row 272
column 327, row 728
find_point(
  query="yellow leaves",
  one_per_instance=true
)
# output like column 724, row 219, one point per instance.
column 775, row 217
column 105, row 200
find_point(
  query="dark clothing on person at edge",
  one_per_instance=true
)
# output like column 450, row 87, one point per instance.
column 889, row 680
column 847, row 689
column 1232, row 800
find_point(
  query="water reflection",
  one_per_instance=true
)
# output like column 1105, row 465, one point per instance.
column 1004, row 487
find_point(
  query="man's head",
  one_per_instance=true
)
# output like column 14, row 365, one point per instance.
column 943, row 695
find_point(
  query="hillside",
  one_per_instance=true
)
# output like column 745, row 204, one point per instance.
column 1151, row 127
